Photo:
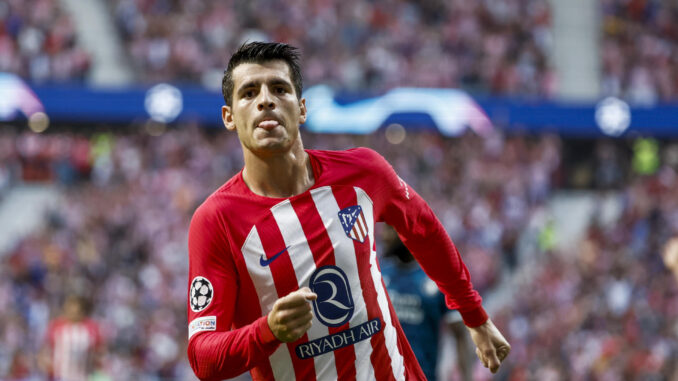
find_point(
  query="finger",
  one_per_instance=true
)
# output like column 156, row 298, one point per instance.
column 311, row 296
column 502, row 352
column 289, row 316
column 293, row 330
column 296, row 298
column 299, row 330
column 300, row 321
column 492, row 360
column 308, row 294
column 291, row 319
column 481, row 357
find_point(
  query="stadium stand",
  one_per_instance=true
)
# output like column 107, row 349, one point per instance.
column 120, row 230
column 608, row 310
column 120, row 234
column 498, row 47
column 601, row 305
column 638, row 52
column 38, row 42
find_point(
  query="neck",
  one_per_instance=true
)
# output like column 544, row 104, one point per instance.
column 279, row 175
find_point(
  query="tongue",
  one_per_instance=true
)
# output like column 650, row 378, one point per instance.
column 268, row 124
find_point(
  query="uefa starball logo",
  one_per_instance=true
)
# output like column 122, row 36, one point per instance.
column 201, row 293
column 334, row 305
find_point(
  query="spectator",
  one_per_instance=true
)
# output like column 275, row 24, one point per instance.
column 492, row 47
column 638, row 51
column 38, row 42
column 119, row 231
column 74, row 343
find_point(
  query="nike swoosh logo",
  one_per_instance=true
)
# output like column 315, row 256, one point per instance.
column 266, row 262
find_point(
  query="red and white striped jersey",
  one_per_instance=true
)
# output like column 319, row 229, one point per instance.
column 246, row 251
column 72, row 346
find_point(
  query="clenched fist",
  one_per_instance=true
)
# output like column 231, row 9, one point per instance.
column 291, row 315
column 491, row 346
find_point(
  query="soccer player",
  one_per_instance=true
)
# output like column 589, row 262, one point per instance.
column 284, row 280
column 421, row 308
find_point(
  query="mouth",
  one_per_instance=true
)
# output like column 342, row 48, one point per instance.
column 268, row 123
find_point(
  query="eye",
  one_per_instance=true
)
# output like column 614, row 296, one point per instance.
column 280, row 90
column 249, row 94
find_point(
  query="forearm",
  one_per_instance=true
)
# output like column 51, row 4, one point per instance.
column 429, row 243
column 220, row 355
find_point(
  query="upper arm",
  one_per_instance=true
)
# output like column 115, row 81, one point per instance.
column 396, row 203
column 212, row 281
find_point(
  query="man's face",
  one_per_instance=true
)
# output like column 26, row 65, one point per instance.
column 265, row 110
column 73, row 310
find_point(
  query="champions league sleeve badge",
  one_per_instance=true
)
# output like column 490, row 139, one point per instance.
column 201, row 294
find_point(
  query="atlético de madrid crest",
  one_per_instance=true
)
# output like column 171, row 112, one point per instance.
column 353, row 221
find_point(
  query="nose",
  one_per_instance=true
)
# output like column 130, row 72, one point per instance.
column 265, row 101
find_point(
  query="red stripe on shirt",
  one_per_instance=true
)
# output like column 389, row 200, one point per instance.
column 247, row 291
column 263, row 370
column 320, row 244
column 285, row 280
column 381, row 361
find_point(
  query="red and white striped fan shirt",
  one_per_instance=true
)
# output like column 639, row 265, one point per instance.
column 73, row 346
column 246, row 251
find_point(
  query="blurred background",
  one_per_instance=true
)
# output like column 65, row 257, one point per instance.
column 543, row 133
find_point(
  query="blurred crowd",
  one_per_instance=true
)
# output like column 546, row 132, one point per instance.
column 38, row 41
column 118, row 237
column 605, row 311
column 609, row 309
column 498, row 46
column 639, row 49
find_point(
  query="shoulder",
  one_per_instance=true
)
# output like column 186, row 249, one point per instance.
column 55, row 324
column 92, row 325
column 225, row 196
column 359, row 157
column 223, row 199
column 356, row 152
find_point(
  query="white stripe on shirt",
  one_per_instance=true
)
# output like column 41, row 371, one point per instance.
column 345, row 258
column 390, row 333
column 304, row 265
column 262, row 278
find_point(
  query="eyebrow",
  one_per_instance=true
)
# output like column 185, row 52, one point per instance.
column 255, row 83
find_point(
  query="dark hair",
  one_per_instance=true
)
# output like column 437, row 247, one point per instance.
column 259, row 52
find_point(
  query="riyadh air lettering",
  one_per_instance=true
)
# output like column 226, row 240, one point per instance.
column 338, row 340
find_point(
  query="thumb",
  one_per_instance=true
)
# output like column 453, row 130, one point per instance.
column 308, row 294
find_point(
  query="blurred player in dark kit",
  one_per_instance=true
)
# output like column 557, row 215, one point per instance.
column 421, row 308
column 284, row 280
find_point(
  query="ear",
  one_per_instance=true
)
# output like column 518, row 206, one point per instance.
column 227, row 118
column 302, row 108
